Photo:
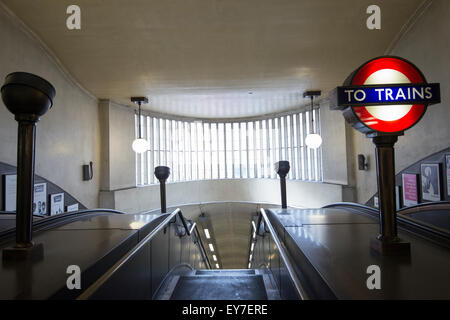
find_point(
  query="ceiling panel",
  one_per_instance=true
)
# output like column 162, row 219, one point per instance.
column 215, row 58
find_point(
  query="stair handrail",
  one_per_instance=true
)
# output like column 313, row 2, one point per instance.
column 281, row 248
column 112, row 270
column 202, row 247
column 189, row 231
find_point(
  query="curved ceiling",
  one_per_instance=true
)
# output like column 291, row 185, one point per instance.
column 215, row 58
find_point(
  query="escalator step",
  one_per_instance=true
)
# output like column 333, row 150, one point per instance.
column 225, row 272
column 248, row 287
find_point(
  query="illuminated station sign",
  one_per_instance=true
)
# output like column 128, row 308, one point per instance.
column 386, row 94
column 382, row 98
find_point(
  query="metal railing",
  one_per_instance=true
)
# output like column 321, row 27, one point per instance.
column 111, row 271
column 284, row 255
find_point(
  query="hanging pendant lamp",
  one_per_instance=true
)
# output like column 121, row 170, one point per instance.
column 140, row 145
column 312, row 140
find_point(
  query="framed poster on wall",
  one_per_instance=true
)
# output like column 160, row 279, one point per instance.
column 72, row 207
column 56, row 203
column 10, row 192
column 447, row 172
column 410, row 191
column 40, row 198
column 431, row 184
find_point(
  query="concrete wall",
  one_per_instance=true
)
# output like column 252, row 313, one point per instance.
column 334, row 150
column 68, row 135
column 427, row 45
column 118, row 159
column 299, row 194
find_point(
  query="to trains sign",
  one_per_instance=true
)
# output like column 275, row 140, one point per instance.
column 386, row 94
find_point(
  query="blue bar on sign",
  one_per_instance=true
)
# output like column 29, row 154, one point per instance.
column 369, row 95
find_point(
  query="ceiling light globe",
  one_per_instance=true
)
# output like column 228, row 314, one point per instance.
column 140, row 145
column 313, row 140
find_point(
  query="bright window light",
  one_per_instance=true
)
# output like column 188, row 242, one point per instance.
column 207, row 234
column 206, row 150
column 254, row 235
column 214, row 257
column 254, row 226
column 249, row 265
column 250, row 257
column 252, row 247
column 211, row 247
column 217, row 266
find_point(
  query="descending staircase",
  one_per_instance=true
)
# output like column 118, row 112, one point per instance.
column 233, row 284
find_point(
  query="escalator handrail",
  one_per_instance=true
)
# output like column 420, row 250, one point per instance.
column 290, row 268
column 53, row 219
column 405, row 210
column 111, row 271
column 13, row 213
column 205, row 255
column 423, row 206
column 429, row 231
column 351, row 204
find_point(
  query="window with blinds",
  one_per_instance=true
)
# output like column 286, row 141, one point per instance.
column 200, row 150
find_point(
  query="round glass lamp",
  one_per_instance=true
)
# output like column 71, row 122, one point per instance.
column 140, row 145
column 313, row 140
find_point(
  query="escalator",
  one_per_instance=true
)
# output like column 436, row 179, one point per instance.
column 293, row 254
column 245, row 284
column 131, row 276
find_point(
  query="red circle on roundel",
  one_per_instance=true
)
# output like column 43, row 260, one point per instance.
column 409, row 71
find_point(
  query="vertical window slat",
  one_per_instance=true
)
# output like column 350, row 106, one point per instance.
column 319, row 150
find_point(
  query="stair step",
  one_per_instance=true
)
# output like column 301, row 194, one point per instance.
column 220, row 287
column 226, row 272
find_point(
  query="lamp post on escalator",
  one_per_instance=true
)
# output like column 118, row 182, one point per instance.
column 162, row 173
column 28, row 97
column 282, row 169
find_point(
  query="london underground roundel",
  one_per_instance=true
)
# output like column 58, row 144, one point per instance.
column 386, row 94
column 389, row 118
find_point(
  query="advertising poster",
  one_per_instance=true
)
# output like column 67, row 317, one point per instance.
column 72, row 207
column 431, row 186
column 40, row 198
column 10, row 192
column 410, row 193
column 56, row 203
